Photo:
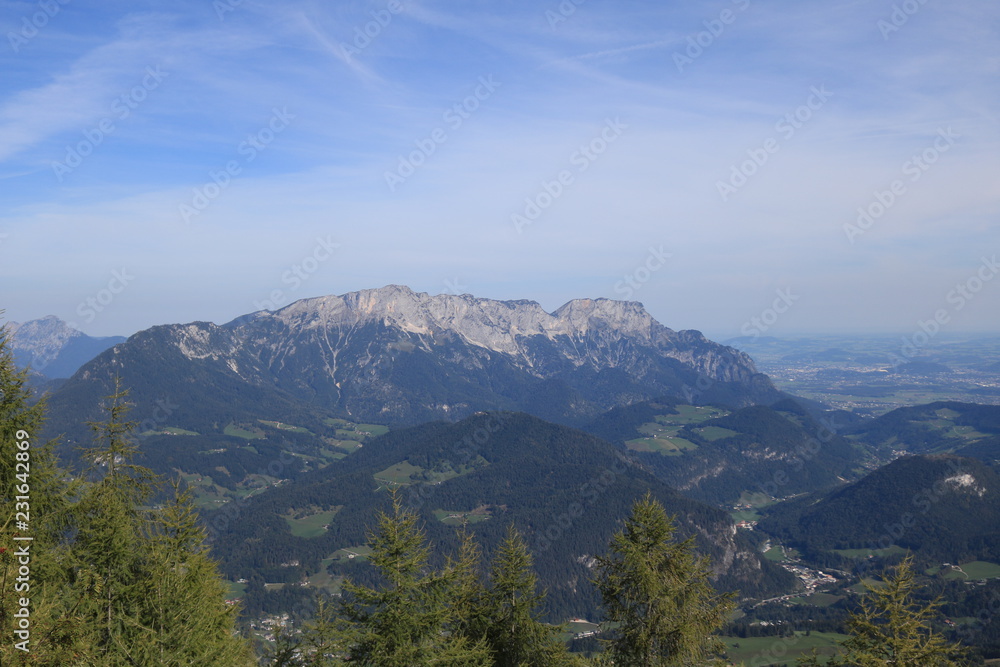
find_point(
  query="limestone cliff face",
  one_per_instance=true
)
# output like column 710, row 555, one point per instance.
column 392, row 355
column 598, row 333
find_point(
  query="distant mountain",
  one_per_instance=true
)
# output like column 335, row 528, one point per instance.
column 567, row 492
column 395, row 356
column 53, row 349
column 942, row 507
column 719, row 456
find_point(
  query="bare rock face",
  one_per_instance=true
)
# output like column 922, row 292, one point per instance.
column 586, row 332
column 392, row 355
column 52, row 348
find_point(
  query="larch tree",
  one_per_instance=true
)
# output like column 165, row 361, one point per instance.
column 408, row 621
column 142, row 576
column 657, row 592
column 892, row 629
column 32, row 483
column 184, row 615
column 513, row 629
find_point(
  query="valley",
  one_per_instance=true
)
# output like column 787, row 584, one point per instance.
column 871, row 375
column 796, row 497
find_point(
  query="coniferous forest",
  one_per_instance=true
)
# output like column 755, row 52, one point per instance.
column 95, row 573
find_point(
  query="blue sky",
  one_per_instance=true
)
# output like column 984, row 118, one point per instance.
column 171, row 162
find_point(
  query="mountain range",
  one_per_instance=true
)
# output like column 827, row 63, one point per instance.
column 291, row 425
column 395, row 356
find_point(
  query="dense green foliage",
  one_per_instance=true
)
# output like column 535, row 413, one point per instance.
column 946, row 508
column 777, row 450
column 892, row 630
column 941, row 426
column 564, row 490
column 657, row 591
column 106, row 581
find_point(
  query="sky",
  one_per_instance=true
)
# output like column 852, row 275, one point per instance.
column 743, row 167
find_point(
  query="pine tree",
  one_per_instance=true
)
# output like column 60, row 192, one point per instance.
column 184, row 617
column 892, row 630
column 408, row 622
column 513, row 630
column 29, row 473
column 141, row 577
column 658, row 591
column 468, row 594
column 109, row 551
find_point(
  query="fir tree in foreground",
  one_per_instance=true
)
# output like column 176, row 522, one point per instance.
column 658, row 593
column 111, row 582
column 28, row 469
column 142, row 577
column 409, row 621
column 421, row 616
column 510, row 612
column 892, row 630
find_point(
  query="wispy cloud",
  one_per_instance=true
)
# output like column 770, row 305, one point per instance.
column 358, row 114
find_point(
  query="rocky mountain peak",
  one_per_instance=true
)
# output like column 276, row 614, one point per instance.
column 495, row 325
column 627, row 316
column 41, row 340
column 53, row 348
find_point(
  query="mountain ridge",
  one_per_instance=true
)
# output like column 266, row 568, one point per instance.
column 392, row 355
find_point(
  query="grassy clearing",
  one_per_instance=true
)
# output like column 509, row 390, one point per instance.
column 236, row 590
column 663, row 434
column 400, row 474
column 776, row 554
column 170, row 430
column 764, row 651
column 281, row 426
column 891, row 550
column 693, row 414
column 243, row 433
column 575, row 628
column 326, row 581
column 405, row 473
column 713, row 433
column 860, row 588
column 669, row 446
column 207, row 494
column 346, row 446
column 755, row 499
column 973, row 571
column 452, row 518
column 374, row 430
column 745, row 515
column 311, row 525
column 351, row 553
